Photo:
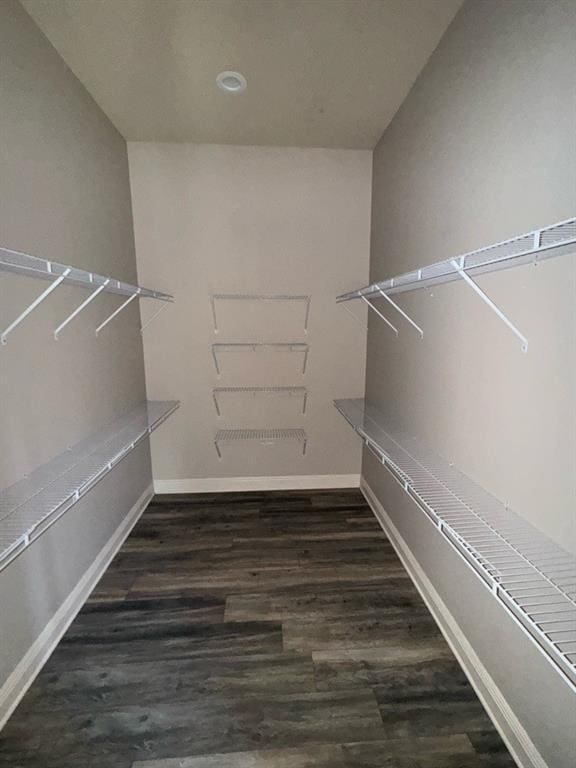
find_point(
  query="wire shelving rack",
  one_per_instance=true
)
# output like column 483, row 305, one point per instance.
column 532, row 577
column 262, row 436
column 300, row 392
column 266, row 297
column 31, row 505
column 533, row 247
column 255, row 346
column 57, row 274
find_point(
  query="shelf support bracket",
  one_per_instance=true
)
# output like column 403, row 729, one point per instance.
column 154, row 316
column 307, row 315
column 459, row 267
column 35, row 303
column 118, row 310
column 354, row 316
column 380, row 314
column 215, row 358
column 80, row 308
column 399, row 309
column 216, row 404
column 213, row 304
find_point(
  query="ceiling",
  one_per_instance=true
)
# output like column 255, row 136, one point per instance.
column 321, row 73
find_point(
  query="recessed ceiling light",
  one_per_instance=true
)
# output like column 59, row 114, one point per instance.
column 231, row 82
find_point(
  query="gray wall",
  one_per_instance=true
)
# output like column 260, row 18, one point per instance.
column 64, row 192
column 483, row 149
column 225, row 219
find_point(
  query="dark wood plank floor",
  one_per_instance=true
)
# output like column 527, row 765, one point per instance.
column 273, row 630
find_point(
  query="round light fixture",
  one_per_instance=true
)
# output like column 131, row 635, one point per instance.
column 231, row 82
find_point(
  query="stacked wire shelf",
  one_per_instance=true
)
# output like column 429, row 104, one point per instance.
column 265, row 297
column 260, row 436
column 33, row 504
column 531, row 576
column 540, row 244
column 530, row 248
column 33, row 266
column 254, row 346
column 61, row 274
column 299, row 392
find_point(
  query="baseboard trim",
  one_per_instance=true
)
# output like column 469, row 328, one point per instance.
column 513, row 733
column 30, row 665
column 281, row 483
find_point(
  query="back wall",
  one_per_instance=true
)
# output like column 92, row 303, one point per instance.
column 227, row 219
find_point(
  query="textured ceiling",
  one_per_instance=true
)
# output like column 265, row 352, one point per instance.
column 321, row 73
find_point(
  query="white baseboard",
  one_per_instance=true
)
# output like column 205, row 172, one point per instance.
column 513, row 733
column 32, row 662
column 282, row 483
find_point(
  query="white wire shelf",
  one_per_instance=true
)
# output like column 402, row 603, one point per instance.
column 305, row 299
column 540, row 244
column 32, row 266
column 262, row 436
column 256, row 346
column 33, row 504
column 300, row 392
column 531, row 576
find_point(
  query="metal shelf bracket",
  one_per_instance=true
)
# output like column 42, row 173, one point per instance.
column 401, row 311
column 151, row 319
column 458, row 265
column 380, row 315
column 79, row 309
column 355, row 318
column 118, row 310
column 32, row 307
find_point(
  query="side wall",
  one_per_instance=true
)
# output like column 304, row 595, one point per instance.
column 65, row 195
column 483, row 149
column 252, row 220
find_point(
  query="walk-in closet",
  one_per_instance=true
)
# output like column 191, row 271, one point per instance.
column 287, row 383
